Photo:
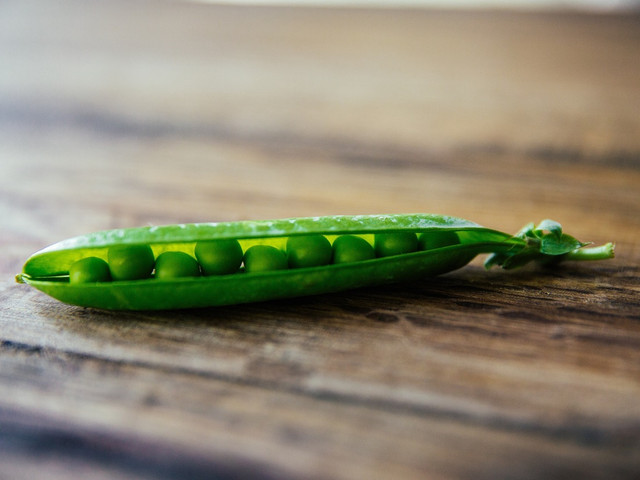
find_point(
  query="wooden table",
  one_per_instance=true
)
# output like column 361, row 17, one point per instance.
column 119, row 114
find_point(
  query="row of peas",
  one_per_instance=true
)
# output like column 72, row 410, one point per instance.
column 223, row 257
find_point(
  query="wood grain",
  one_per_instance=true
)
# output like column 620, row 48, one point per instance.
column 132, row 113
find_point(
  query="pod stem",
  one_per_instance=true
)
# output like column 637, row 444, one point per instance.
column 602, row 252
column 547, row 244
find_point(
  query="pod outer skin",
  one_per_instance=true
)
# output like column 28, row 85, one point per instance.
column 56, row 259
column 45, row 270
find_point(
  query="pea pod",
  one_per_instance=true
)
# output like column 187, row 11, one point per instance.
column 48, row 269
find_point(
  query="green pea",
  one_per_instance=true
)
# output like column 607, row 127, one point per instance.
column 46, row 270
column 350, row 248
column 130, row 262
column 89, row 270
column 397, row 243
column 437, row 239
column 308, row 251
column 219, row 257
column 171, row 265
column 263, row 258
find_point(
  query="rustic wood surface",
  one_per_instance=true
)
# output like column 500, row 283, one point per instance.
column 118, row 114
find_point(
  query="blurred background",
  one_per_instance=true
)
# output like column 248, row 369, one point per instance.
column 528, row 4
column 128, row 113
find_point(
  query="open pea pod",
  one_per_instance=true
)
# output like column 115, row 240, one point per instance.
column 48, row 269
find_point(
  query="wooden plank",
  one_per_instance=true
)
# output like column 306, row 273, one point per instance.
column 310, row 433
column 435, row 79
column 525, row 378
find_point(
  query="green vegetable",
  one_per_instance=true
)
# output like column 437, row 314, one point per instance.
column 89, row 270
column 171, row 265
column 437, row 239
column 397, row 243
column 130, row 262
column 308, row 251
column 219, row 257
column 349, row 249
column 131, row 252
column 264, row 258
